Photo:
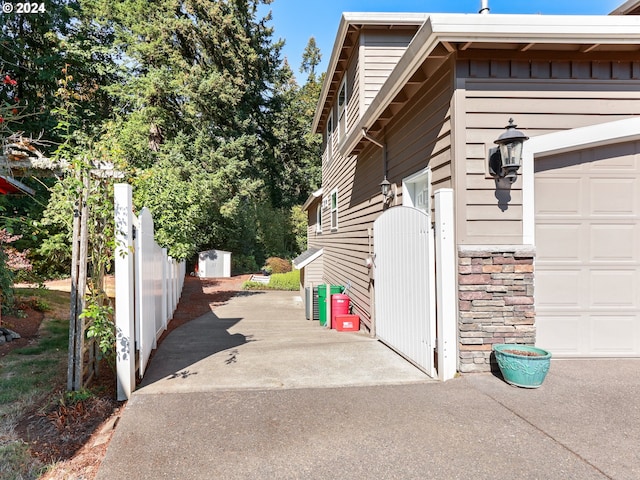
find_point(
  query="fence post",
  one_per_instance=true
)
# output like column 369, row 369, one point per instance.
column 125, row 312
column 446, row 285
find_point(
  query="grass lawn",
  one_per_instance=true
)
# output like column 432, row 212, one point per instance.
column 29, row 376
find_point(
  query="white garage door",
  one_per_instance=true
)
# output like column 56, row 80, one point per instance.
column 587, row 283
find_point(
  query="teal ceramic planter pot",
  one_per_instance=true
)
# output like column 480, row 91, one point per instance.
column 522, row 365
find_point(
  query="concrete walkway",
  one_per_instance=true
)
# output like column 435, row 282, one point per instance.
column 261, row 340
column 255, row 391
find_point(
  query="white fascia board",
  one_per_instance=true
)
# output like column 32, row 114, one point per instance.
column 493, row 28
column 358, row 18
column 538, row 28
column 307, row 261
column 593, row 136
column 312, row 197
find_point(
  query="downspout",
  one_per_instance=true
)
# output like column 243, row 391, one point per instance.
column 383, row 146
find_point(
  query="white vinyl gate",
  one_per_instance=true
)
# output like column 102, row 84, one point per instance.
column 404, row 284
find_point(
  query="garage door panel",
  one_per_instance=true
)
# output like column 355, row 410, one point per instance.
column 613, row 336
column 587, row 282
column 614, row 243
column 559, row 288
column 613, row 288
column 559, row 197
column 610, row 159
column 560, row 334
column 560, row 242
column 613, row 196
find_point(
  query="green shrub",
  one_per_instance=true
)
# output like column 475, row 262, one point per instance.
column 243, row 264
column 285, row 281
column 278, row 281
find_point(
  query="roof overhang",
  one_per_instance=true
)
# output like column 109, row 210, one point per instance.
column 630, row 7
column 356, row 21
column 312, row 199
column 444, row 34
column 307, row 257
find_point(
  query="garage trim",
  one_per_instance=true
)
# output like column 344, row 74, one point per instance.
column 609, row 133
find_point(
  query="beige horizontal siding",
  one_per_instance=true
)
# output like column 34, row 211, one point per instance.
column 417, row 138
column 353, row 94
column 382, row 51
column 538, row 106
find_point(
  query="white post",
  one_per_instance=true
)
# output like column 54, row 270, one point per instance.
column 447, row 323
column 125, row 313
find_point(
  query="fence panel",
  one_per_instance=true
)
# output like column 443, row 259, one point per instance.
column 148, row 287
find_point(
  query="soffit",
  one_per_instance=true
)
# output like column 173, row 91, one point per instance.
column 494, row 37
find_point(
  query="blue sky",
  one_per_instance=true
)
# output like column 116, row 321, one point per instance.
column 296, row 21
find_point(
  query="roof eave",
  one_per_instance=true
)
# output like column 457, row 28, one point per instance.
column 312, row 198
column 490, row 29
column 352, row 18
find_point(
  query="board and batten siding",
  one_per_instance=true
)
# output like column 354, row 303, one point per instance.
column 418, row 137
column 381, row 51
column 541, row 97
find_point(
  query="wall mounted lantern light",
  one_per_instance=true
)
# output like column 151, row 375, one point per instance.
column 385, row 188
column 505, row 161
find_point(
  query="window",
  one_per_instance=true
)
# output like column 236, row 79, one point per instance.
column 334, row 210
column 329, row 137
column 416, row 191
column 342, row 108
column 319, row 219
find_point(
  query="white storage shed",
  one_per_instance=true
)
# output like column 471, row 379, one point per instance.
column 214, row 264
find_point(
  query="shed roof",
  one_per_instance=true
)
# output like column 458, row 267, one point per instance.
column 306, row 257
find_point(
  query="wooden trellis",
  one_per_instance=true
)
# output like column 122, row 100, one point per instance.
column 20, row 156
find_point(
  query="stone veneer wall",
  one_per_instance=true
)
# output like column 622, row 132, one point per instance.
column 495, row 301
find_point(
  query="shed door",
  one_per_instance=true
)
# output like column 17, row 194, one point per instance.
column 588, row 252
column 405, row 318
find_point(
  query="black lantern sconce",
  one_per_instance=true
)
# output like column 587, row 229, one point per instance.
column 505, row 161
column 387, row 192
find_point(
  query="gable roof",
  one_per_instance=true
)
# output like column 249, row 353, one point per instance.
column 444, row 34
column 351, row 23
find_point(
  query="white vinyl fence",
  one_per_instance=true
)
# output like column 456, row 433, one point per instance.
column 148, row 288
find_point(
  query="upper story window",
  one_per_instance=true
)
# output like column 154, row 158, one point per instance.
column 329, row 136
column 334, row 209
column 342, row 109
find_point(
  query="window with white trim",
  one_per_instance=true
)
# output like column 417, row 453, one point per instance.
column 416, row 191
column 334, row 209
column 319, row 218
column 329, row 137
column 342, row 109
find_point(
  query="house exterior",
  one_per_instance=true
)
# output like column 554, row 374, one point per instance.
column 552, row 259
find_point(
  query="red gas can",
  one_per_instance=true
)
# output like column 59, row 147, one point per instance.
column 340, row 305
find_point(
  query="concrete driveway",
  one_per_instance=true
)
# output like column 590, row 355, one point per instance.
column 261, row 340
column 257, row 392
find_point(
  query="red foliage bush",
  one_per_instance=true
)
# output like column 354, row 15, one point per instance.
column 277, row 265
